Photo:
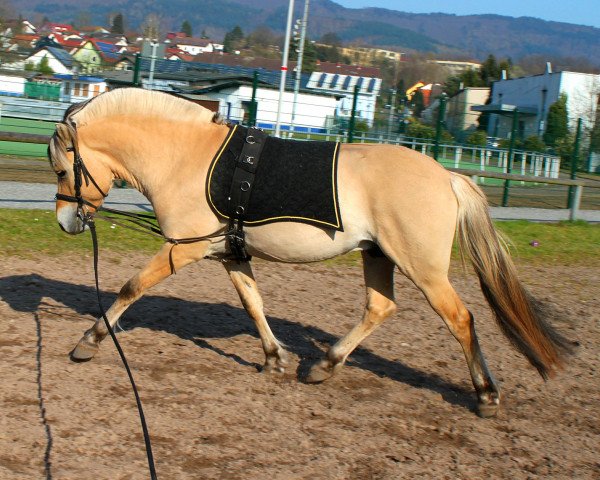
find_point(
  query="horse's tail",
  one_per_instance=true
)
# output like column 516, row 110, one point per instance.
column 518, row 314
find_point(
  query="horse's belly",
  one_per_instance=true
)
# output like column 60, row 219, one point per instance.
column 296, row 242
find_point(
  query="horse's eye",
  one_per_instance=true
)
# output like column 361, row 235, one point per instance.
column 61, row 173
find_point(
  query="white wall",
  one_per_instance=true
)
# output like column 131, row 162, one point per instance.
column 53, row 63
column 10, row 85
column 311, row 110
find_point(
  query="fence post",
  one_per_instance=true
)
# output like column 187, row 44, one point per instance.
column 352, row 122
column 438, row 126
column 574, row 161
column 136, row 70
column 253, row 103
column 575, row 203
column 509, row 160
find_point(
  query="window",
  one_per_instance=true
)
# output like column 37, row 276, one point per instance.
column 346, row 82
column 86, row 90
column 371, row 86
column 359, row 82
column 334, row 81
column 96, row 90
column 77, row 89
column 321, row 80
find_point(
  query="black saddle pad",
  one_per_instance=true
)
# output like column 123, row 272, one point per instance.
column 295, row 181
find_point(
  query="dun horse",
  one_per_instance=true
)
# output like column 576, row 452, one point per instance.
column 398, row 207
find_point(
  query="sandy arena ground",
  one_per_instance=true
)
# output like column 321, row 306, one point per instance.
column 403, row 407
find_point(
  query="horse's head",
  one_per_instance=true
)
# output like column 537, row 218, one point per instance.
column 81, row 186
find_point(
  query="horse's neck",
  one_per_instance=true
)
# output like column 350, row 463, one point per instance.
column 156, row 157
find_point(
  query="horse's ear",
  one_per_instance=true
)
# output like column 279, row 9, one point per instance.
column 62, row 130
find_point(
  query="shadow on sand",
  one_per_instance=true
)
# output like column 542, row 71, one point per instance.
column 199, row 322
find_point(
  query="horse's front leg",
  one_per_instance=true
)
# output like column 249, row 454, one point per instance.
column 159, row 268
column 276, row 358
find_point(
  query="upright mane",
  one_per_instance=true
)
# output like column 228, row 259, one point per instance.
column 137, row 101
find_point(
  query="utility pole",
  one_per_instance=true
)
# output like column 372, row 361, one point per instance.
column 439, row 125
column 574, row 161
column 154, row 44
column 393, row 104
column 304, row 23
column 511, row 151
column 284, row 66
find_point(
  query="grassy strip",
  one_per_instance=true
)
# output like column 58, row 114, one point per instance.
column 27, row 233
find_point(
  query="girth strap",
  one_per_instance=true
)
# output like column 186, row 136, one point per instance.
column 241, row 190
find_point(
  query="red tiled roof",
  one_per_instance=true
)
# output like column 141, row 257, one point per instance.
column 200, row 42
column 342, row 69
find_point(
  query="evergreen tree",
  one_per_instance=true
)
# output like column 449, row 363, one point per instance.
column 557, row 121
column 118, row 25
column 44, row 67
column 186, row 27
column 233, row 40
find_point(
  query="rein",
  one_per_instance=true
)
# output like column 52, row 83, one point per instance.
column 80, row 171
column 143, row 223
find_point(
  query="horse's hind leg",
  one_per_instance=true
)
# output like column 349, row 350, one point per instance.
column 379, row 280
column 241, row 275
column 159, row 268
column 444, row 300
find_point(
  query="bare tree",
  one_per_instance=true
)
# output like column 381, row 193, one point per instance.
column 151, row 28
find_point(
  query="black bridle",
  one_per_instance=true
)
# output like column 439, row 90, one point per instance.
column 81, row 174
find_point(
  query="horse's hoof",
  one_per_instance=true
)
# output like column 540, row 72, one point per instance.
column 273, row 369
column 487, row 410
column 276, row 362
column 84, row 351
column 320, row 372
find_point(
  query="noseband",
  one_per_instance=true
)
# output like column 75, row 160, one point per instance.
column 81, row 174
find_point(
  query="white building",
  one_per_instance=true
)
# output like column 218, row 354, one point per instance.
column 234, row 94
column 78, row 88
column 341, row 80
column 59, row 60
column 460, row 119
column 12, row 85
column 533, row 96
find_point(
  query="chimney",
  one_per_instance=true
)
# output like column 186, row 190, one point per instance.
column 504, row 75
column 548, row 67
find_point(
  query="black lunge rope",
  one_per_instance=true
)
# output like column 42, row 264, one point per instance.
column 90, row 222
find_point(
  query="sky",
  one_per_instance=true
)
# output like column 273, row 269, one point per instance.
column 580, row 12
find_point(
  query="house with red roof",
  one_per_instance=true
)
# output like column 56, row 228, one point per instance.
column 95, row 55
column 191, row 45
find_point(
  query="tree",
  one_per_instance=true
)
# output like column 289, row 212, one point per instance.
column 534, row 144
column 468, row 78
column 44, row 67
column 118, row 25
column 233, row 40
column 151, row 27
column 478, row 138
column 557, row 122
column 186, row 28
column 331, row 39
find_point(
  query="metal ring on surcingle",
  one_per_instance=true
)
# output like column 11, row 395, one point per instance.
column 250, row 139
column 239, row 210
column 245, row 186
